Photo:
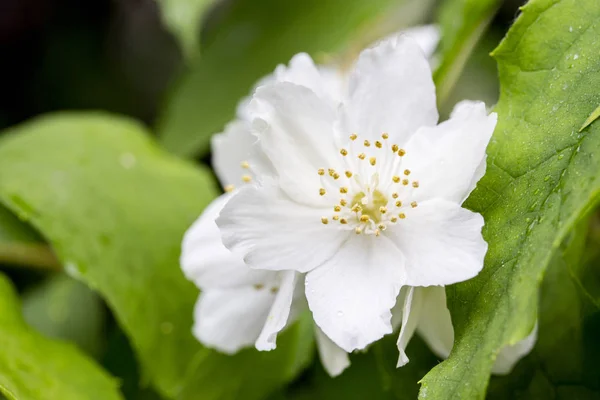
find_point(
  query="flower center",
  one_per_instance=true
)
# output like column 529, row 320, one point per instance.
column 370, row 194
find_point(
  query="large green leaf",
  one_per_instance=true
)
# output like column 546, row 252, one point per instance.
column 33, row 367
column 462, row 24
column 564, row 362
column 542, row 178
column 114, row 207
column 183, row 18
column 250, row 40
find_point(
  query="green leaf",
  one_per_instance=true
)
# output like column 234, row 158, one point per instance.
column 593, row 116
column 542, row 178
column 66, row 309
column 33, row 367
column 564, row 361
column 21, row 245
column 462, row 24
column 250, row 40
column 115, row 207
column 182, row 18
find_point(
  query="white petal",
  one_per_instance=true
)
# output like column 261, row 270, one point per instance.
column 237, row 145
column 509, row 355
column 230, row 319
column 427, row 37
column 334, row 359
column 205, row 261
column 352, row 293
column 435, row 323
column 279, row 313
column 442, row 243
column 449, row 159
column 272, row 232
column 391, row 90
column 295, row 130
column 410, row 316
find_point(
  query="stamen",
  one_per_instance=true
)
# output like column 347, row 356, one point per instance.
column 378, row 144
column 335, row 217
column 395, row 148
column 245, row 165
column 343, row 221
column 367, row 143
column 362, row 156
column 372, row 160
column 343, row 190
column 405, row 182
column 395, row 195
column 274, row 289
column 356, row 208
column 353, row 136
column 413, row 204
column 348, row 174
column 336, row 175
column 398, row 203
column 343, row 202
column 357, row 230
column 331, row 171
column 322, row 192
column 229, row 188
column 396, row 178
column 407, row 172
column 344, row 152
column 324, row 220
column 415, row 184
column 377, row 233
column 394, row 219
column 401, row 215
column 337, row 208
column 364, row 218
column 321, row 171
column 401, row 152
column 382, row 210
column 381, row 227
column 258, row 286
column 246, row 178
column 385, row 135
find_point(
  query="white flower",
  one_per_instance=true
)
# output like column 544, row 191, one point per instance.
column 306, row 117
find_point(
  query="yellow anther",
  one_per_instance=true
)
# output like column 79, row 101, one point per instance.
column 353, row 136
column 405, row 182
column 377, row 233
column 381, row 227
column 401, row 215
column 344, row 152
column 324, row 220
column 367, row 143
column 337, row 208
column 229, row 188
column 394, row 219
column 274, row 289
column 335, row 217
column 395, row 148
column 244, row 164
column 382, row 209
column 343, row 202
column 372, row 160
column 348, row 174
column 246, row 178
column 395, row 195
column 258, row 286
column 398, row 203
column 336, row 175
column 407, row 172
column 364, row 218
column 343, row 189
column 378, row 144
column 362, row 156
column 415, row 184
column 356, row 208
column 396, row 179
column 343, row 221
column 413, row 204
column 401, row 152
column 357, row 230
column 321, row 171
column 331, row 171
column 385, row 135
column 322, row 192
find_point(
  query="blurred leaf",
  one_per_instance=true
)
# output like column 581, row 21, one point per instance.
column 33, row 367
column 542, row 177
column 251, row 39
column 115, row 207
column 462, row 24
column 63, row 308
column 19, row 244
column 564, row 361
column 183, row 18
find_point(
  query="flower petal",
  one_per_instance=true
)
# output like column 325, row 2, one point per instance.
column 426, row 36
column 352, row 293
column 205, row 261
column 449, row 159
column 442, row 243
column 230, row 319
column 333, row 358
column 410, row 316
column 435, row 323
column 272, row 232
column 280, row 311
column 295, row 130
column 391, row 90
column 509, row 355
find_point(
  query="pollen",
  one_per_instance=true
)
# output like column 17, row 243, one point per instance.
column 362, row 156
column 415, row 184
column 367, row 143
column 394, row 219
column 343, row 202
column 401, row 152
column 229, row 188
column 321, row 171
column 331, row 171
column 395, row 148
column 396, row 179
column 356, row 208
column 324, row 220
column 322, row 192
column 381, row 227
column 372, row 160
column 337, row 208
column 343, row 221
column 245, row 165
column 357, row 230
column 246, row 178
column 343, row 190
column 335, row 217
column 413, row 204
column 364, row 218
column 336, row 175
column 344, row 152
column 401, row 215
column 405, row 182
column 353, row 136
column 395, row 195
column 398, row 203
column 384, row 135
column 378, row 144
column 407, row 172
column 348, row 174
column 382, row 210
